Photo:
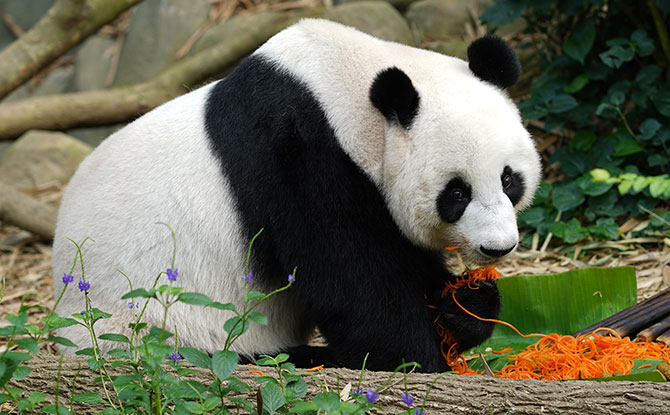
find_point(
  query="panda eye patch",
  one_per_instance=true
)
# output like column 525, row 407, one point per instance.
column 513, row 184
column 453, row 200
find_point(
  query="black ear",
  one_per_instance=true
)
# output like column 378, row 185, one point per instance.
column 394, row 95
column 494, row 61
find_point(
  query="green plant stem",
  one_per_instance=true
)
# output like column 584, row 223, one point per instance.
column 661, row 28
column 74, row 382
column 246, row 312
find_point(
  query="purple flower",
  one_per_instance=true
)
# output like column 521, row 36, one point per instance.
column 175, row 357
column 371, row 396
column 291, row 278
column 67, row 278
column 84, row 286
column 248, row 278
column 420, row 412
column 358, row 391
column 172, row 275
column 131, row 305
column 407, row 398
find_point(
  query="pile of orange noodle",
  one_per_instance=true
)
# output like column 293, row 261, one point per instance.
column 553, row 357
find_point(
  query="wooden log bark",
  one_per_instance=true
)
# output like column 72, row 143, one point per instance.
column 65, row 25
column 26, row 212
column 451, row 393
column 57, row 112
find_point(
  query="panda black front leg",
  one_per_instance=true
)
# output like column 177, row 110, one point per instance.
column 483, row 301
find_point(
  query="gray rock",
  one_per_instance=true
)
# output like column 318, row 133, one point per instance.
column 439, row 18
column 158, row 29
column 41, row 157
column 93, row 136
column 93, row 63
column 25, row 12
column 401, row 5
column 457, row 48
column 377, row 18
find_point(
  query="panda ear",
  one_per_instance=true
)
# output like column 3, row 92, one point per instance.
column 393, row 93
column 494, row 61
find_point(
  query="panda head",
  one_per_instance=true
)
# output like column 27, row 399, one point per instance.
column 458, row 163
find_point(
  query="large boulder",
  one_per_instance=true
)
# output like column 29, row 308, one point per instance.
column 439, row 18
column 41, row 157
column 377, row 18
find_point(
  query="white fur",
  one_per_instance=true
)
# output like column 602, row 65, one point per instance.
column 159, row 168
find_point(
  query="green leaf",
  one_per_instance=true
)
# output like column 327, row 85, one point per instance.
column 327, row 401
column 36, row 397
column 258, row 318
column 58, row 410
column 503, row 12
column 533, row 216
column 662, row 101
column 29, row 344
column 114, row 337
column 296, row 388
column 236, row 326
column 578, row 45
column 649, row 128
column 571, row 231
column 627, row 147
column 562, row 103
column 224, row 363
column 88, row 397
column 140, row 293
column 561, row 303
column 640, row 183
column 576, row 84
column 658, row 186
column 21, row 372
column 592, row 187
column 7, row 368
column 605, row 228
column 196, row 357
column 643, row 45
column 567, row 196
column 273, row 398
column 647, row 75
column 600, row 175
column 194, row 299
column 62, row 341
column 301, row 407
column 583, row 140
column 625, row 186
column 221, row 306
column 617, row 56
column 254, row 295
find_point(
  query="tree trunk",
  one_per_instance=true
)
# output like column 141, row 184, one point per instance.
column 65, row 25
column 450, row 394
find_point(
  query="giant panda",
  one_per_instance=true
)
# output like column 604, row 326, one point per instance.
column 361, row 160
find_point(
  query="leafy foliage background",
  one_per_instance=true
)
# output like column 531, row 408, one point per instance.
column 605, row 87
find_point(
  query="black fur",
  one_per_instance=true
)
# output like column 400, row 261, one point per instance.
column 449, row 205
column 517, row 186
column 494, row 61
column 359, row 279
column 393, row 93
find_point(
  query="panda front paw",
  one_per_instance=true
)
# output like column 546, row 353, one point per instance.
column 483, row 301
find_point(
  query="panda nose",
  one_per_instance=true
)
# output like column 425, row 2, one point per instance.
column 496, row 252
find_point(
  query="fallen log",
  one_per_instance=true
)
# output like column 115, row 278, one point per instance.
column 450, row 394
column 63, row 111
column 26, row 212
